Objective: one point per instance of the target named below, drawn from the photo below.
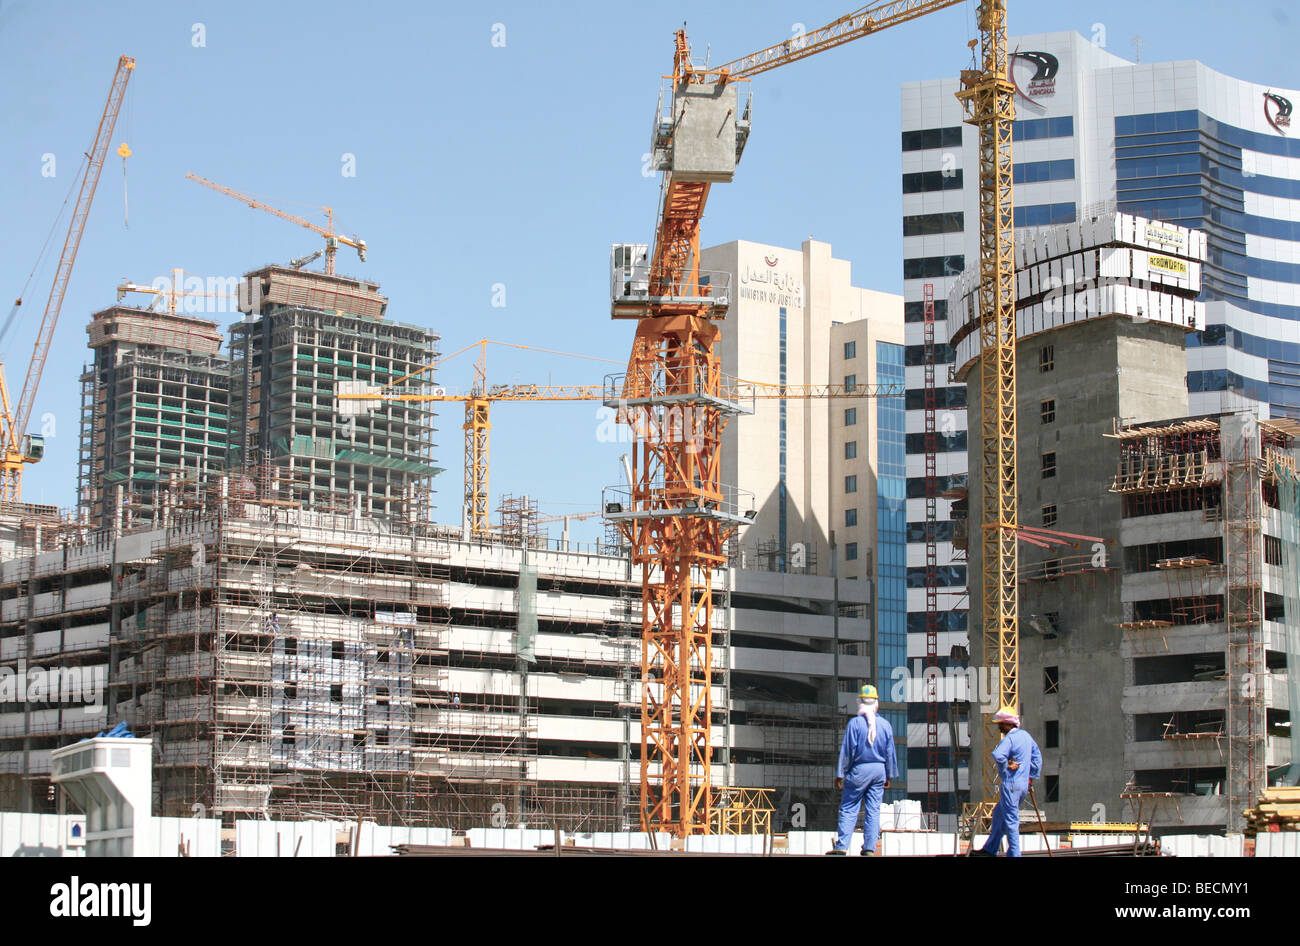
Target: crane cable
(125, 151)
(11, 318)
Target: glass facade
(1189, 169)
(891, 544)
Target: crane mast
(988, 95)
(673, 361)
(15, 455)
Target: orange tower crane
(332, 237)
(676, 518)
(18, 447)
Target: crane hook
(125, 151)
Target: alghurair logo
(77, 899)
(1033, 73)
(1277, 110)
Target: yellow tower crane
(357, 398)
(173, 293)
(332, 238)
(17, 447)
(675, 340)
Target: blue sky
(476, 165)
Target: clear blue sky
(475, 165)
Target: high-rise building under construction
(155, 406)
(304, 333)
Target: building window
(1053, 785)
(1052, 734)
(850, 416)
(920, 182)
(850, 484)
(1043, 215)
(930, 224)
(924, 139)
(933, 267)
(850, 382)
(336, 693)
(1032, 172)
(1047, 358)
(851, 450)
(1049, 515)
(850, 517)
(850, 551)
(1049, 464)
(1029, 129)
(850, 349)
(1047, 410)
(1272, 550)
(1051, 679)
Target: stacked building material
(1278, 809)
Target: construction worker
(1019, 763)
(867, 763)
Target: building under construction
(155, 403)
(298, 664)
(1153, 656)
(303, 334)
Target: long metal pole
(835, 626)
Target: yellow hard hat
(868, 692)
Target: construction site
(268, 585)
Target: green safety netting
(387, 463)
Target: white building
(820, 465)
(1175, 142)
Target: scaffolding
(931, 569)
(303, 665)
(1245, 719)
(313, 334)
(517, 519)
(1168, 459)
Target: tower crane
(20, 448)
(356, 398)
(332, 238)
(674, 527)
(173, 293)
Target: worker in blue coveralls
(1019, 763)
(867, 763)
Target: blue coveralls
(1016, 746)
(864, 767)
